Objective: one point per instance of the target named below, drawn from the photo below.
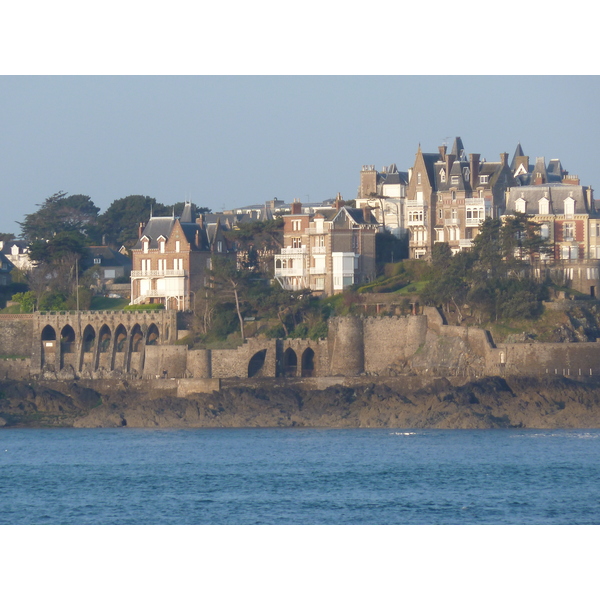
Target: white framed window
(569, 206)
(162, 246)
(545, 231)
(454, 179)
(484, 179)
(544, 206)
(569, 232)
(442, 175)
(520, 205)
(177, 246)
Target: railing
(289, 250)
(319, 250)
(470, 222)
(451, 221)
(414, 202)
(318, 270)
(164, 273)
(290, 272)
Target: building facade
(172, 258)
(327, 253)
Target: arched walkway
(67, 340)
(104, 336)
(89, 337)
(308, 363)
(256, 363)
(120, 338)
(152, 335)
(290, 363)
(136, 338)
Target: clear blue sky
(228, 141)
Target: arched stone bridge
(86, 342)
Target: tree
(60, 213)
(226, 278)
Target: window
(415, 216)
(219, 246)
(454, 180)
(520, 205)
(97, 261)
(296, 225)
(545, 231)
(177, 246)
(466, 173)
(544, 206)
(484, 178)
(418, 177)
(568, 232)
(569, 206)
(443, 176)
(296, 242)
(162, 246)
(145, 246)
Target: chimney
(200, 220)
(339, 202)
(442, 151)
(474, 166)
(504, 159)
(296, 207)
(140, 230)
(366, 214)
(539, 179)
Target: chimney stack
(296, 207)
(504, 158)
(474, 166)
(366, 214)
(140, 230)
(442, 151)
(339, 202)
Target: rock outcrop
(492, 402)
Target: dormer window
(484, 179)
(454, 180)
(466, 172)
(97, 260)
(145, 244)
(161, 243)
(520, 205)
(443, 176)
(544, 206)
(569, 206)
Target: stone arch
(67, 340)
(137, 337)
(120, 338)
(152, 336)
(256, 363)
(308, 363)
(290, 363)
(89, 337)
(104, 337)
(48, 333)
(48, 342)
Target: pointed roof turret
(518, 153)
(187, 215)
(458, 149)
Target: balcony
(319, 250)
(412, 203)
(293, 251)
(451, 221)
(164, 273)
(290, 271)
(474, 222)
(318, 270)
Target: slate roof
(556, 193)
(108, 257)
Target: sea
(299, 477)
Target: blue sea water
(299, 476)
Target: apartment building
(329, 251)
(450, 194)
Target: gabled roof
(518, 153)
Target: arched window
(104, 338)
(152, 336)
(136, 338)
(120, 338)
(67, 339)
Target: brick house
(329, 251)
(450, 194)
(172, 258)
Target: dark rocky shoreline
(487, 403)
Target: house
(6, 267)
(329, 251)
(107, 263)
(172, 258)
(384, 192)
(450, 194)
(17, 251)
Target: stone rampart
(139, 345)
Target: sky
(227, 141)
